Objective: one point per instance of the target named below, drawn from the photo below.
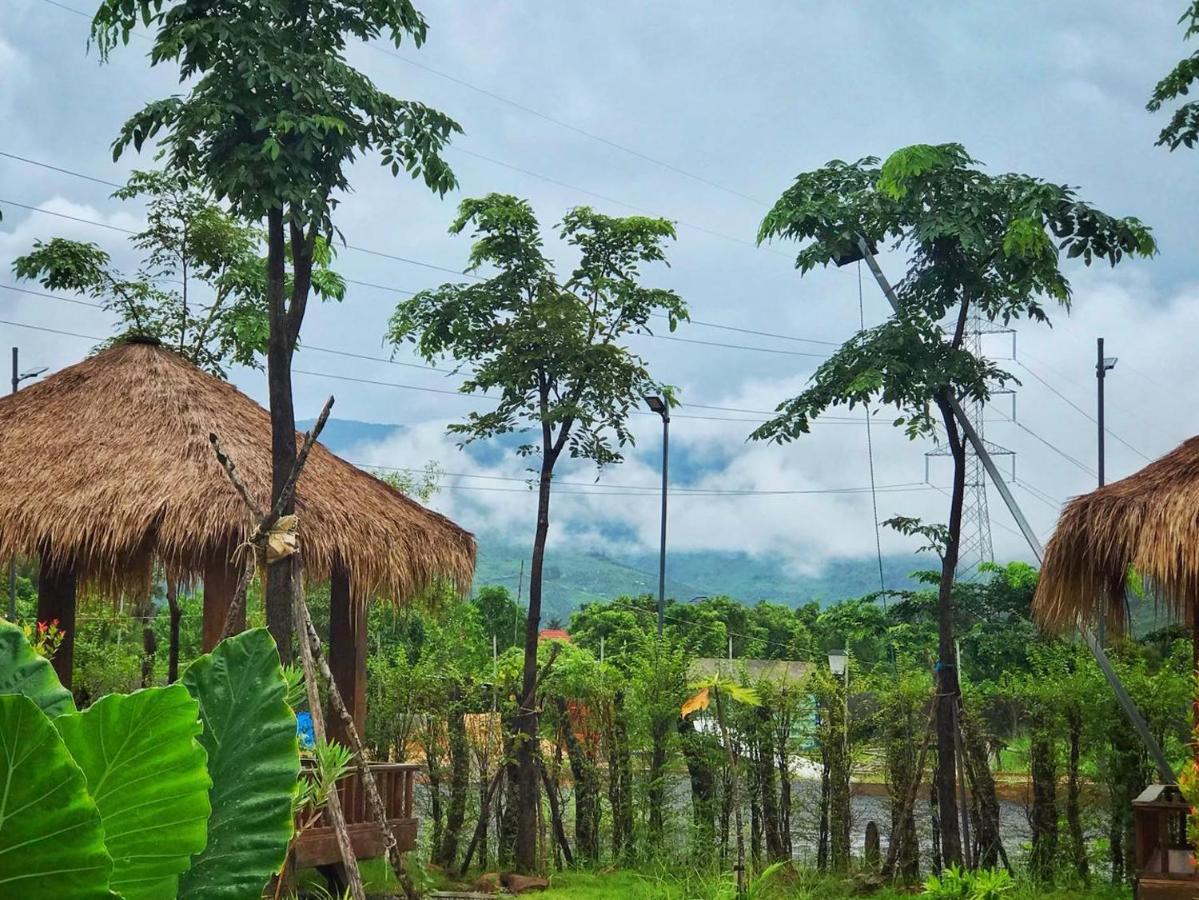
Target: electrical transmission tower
(975, 547)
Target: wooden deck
(318, 845)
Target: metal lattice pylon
(976, 547)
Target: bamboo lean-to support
(311, 656)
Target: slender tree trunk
(839, 773)
(947, 680)
(283, 426)
(551, 793)
(173, 642)
(934, 820)
(902, 763)
(982, 789)
(726, 811)
(656, 793)
(433, 769)
(621, 782)
(508, 823)
(826, 785)
(703, 789)
(771, 824)
(739, 868)
(1078, 843)
(528, 792)
(782, 735)
(755, 810)
(1044, 805)
(484, 814)
(586, 779)
(459, 780)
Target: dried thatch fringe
(1145, 526)
(106, 466)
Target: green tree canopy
(1183, 128)
(201, 286)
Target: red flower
(42, 626)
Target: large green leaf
(149, 778)
(22, 671)
(254, 761)
(51, 839)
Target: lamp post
(1103, 365)
(662, 408)
(17, 377)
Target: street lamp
(660, 406)
(838, 661)
(17, 377)
(1103, 365)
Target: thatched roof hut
(1144, 526)
(106, 468)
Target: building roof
(780, 671)
(106, 465)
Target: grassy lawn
(684, 884)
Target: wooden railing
(396, 781)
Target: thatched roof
(1147, 523)
(107, 465)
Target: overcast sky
(702, 113)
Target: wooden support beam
(347, 653)
(56, 600)
(220, 584)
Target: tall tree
(199, 288)
(271, 119)
(551, 353)
(977, 244)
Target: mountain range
(573, 576)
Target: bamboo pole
(257, 541)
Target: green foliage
(253, 760)
(956, 884)
(273, 113)
(936, 536)
(327, 763)
(976, 242)
(1183, 127)
(51, 837)
(22, 671)
(549, 352)
(189, 241)
(499, 615)
(149, 779)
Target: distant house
(555, 634)
(780, 671)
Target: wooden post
(56, 600)
(347, 654)
(220, 583)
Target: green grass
(680, 883)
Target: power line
(562, 124)
(398, 385)
(113, 184)
(1070, 379)
(1058, 450)
(1037, 495)
(416, 262)
(520, 106)
(1079, 409)
(753, 245)
(654, 490)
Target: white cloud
(744, 97)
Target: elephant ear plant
(183, 790)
